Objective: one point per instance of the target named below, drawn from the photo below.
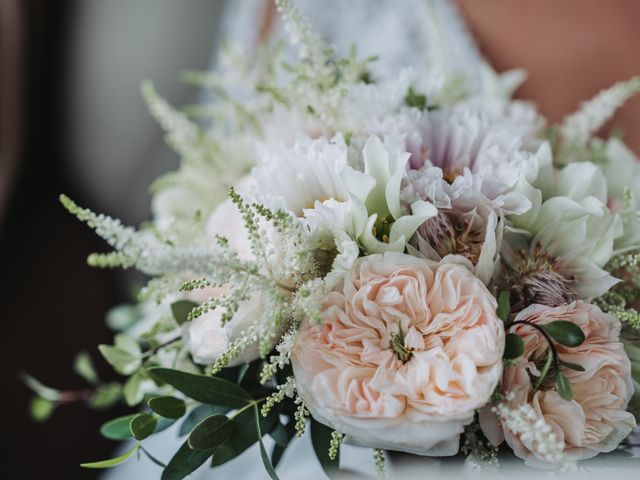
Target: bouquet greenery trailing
(409, 264)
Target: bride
(436, 32)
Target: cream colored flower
(596, 419)
(407, 350)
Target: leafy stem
(552, 348)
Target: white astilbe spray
(593, 114)
(288, 294)
(531, 428)
(319, 82)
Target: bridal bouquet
(411, 265)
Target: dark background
(52, 303)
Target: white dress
(401, 33)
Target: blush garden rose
(405, 352)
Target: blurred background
(72, 120)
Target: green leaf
(198, 414)
(321, 440)
(113, 462)
(39, 389)
(184, 462)
(211, 432)
(41, 408)
(118, 428)
(132, 391)
(181, 310)
(545, 370)
(143, 425)
(504, 306)
(168, 407)
(563, 387)
(106, 396)
(210, 390)
(244, 435)
(564, 332)
(122, 317)
(83, 366)
(513, 346)
(124, 362)
(263, 451)
(572, 366)
(127, 344)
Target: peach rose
(595, 420)
(406, 351)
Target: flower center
(448, 233)
(397, 343)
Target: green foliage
(211, 432)
(564, 332)
(122, 317)
(181, 310)
(125, 356)
(198, 414)
(184, 462)
(143, 425)
(83, 366)
(245, 434)
(513, 346)
(132, 390)
(105, 396)
(114, 461)
(168, 407)
(545, 370)
(563, 387)
(41, 408)
(504, 306)
(210, 390)
(321, 440)
(263, 451)
(118, 428)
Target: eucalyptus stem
(547, 337)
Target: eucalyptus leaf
(504, 306)
(39, 389)
(41, 408)
(572, 366)
(244, 435)
(128, 344)
(211, 432)
(181, 310)
(106, 396)
(513, 346)
(122, 317)
(563, 387)
(184, 462)
(83, 366)
(321, 440)
(210, 390)
(198, 414)
(168, 407)
(263, 451)
(545, 369)
(564, 332)
(124, 362)
(112, 462)
(132, 391)
(118, 428)
(143, 425)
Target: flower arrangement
(413, 266)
